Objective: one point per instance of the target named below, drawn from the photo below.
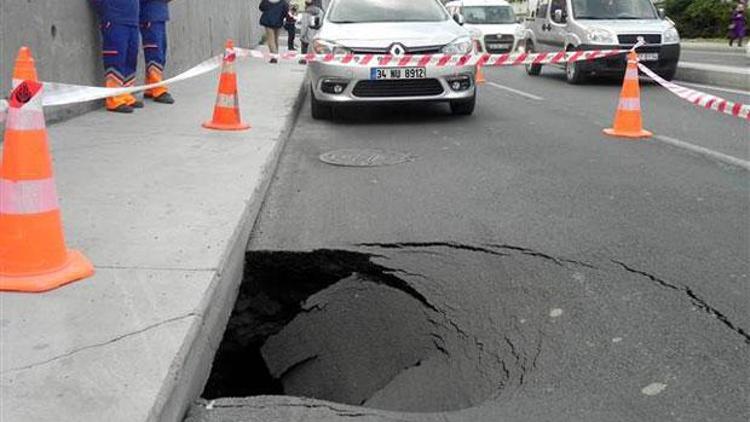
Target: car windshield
(489, 15)
(361, 11)
(613, 9)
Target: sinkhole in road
(333, 325)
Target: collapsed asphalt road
(420, 328)
(520, 266)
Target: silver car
(396, 27)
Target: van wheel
(532, 69)
(573, 73)
(668, 73)
(320, 110)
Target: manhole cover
(364, 157)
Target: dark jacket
(123, 12)
(273, 13)
(154, 10)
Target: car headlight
(459, 46)
(600, 36)
(671, 36)
(328, 47)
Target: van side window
(541, 10)
(558, 5)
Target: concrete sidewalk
(163, 208)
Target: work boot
(122, 108)
(137, 104)
(165, 98)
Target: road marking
(727, 159)
(515, 91)
(715, 88)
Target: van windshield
(488, 15)
(361, 11)
(613, 9)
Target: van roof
(457, 3)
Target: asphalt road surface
(520, 266)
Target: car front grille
(498, 39)
(430, 49)
(632, 39)
(398, 88)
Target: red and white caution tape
(57, 94)
(701, 99)
(438, 60)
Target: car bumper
(669, 55)
(359, 89)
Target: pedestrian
(118, 22)
(737, 25)
(307, 32)
(290, 24)
(154, 18)
(272, 18)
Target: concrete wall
(64, 38)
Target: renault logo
(397, 50)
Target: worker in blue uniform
(118, 21)
(153, 20)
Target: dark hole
(333, 325)
(53, 31)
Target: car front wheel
(464, 107)
(320, 110)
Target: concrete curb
(724, 76)
(709, 46)
(192, 365)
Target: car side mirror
(459, 18)
(558, 16)
(662, 13)
(315, 22)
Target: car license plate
(388, 73)
(648, 57)
(494, 46)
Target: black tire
(668, 73)
(532, 69)
(464, 107)
(320, 110)
(573, 73)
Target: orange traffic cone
(227, 109)
(480, 79)
(33, 257)
(24, 70)
(628, 121)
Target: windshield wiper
(346, 22)
(592, 17)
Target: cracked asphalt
(560, 275)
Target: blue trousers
(120, 56)
(154, 35)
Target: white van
(492, 23)
(574, 25)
